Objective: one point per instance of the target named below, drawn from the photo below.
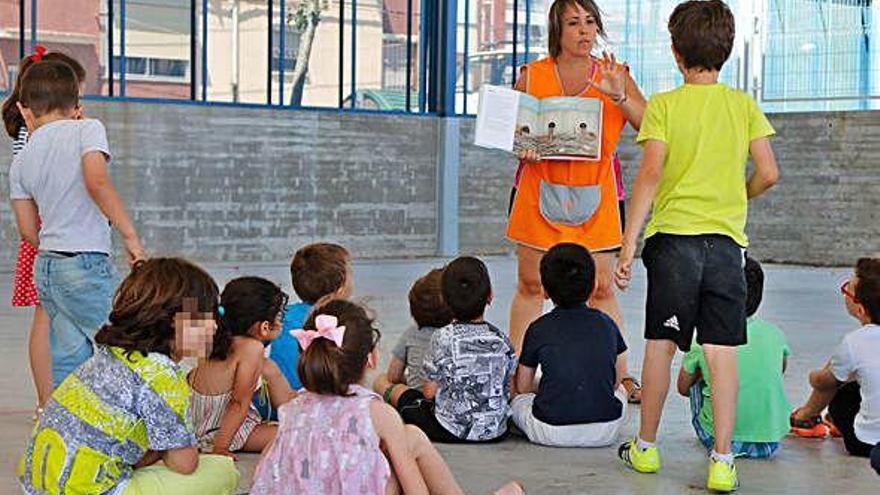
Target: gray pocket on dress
(568, 205)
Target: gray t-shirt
(472, 364)
(49, 171)
(411, 349)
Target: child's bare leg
(40, 355)
(721, 360)
(528, 299)
(381, 384)
(655, 386)
(434, 470)
(261, 436)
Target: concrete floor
(803, 301)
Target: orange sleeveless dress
(569, 200)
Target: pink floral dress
(326, 445)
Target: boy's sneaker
(722, 476)
(643, 461)
(809, 428)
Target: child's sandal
(633, 391)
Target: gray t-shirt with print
(472, 364)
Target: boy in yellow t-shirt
(696, 141)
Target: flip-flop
(632, 396)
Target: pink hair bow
(326, 328)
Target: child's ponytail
(337, 338)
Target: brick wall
(237, 184)
(221, 183)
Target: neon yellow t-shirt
(707, 130)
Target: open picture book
(557, 128)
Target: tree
(305, 20)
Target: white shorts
(578, 435)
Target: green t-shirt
(762, 408)
(707, 130)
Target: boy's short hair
(702, 33)
(48, 86)
(466, 287)
(867, 291)
(319, 269)
(568, 274)
(754, 285)
(426, 301)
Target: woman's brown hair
(148, 300)
(555, 20)
(327, 369)
(12, 119)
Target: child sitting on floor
(408, 357)
(109, 423)
(251, 309)
(762, 408)
(849, 384)
(469, 365)
(339, 438)
(317, 271)
(579, 400)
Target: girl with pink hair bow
(329, 437)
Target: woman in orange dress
(572, 201)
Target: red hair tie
(39, 51)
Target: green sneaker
(722, 477)
(643, 461)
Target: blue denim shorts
(751, 450)
(76, 290)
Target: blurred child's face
(193, 334)
(579, 31)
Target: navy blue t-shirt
(577, 349)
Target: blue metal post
(33, 26)
(204, 50)
(353, 53)
(448, 138)
(122, 47)
(424, 39)
(464, 63)
(21, 21)
(528, 27)
(282, 21)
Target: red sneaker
(809, 428)
(832, 428)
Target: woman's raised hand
(613, 81)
